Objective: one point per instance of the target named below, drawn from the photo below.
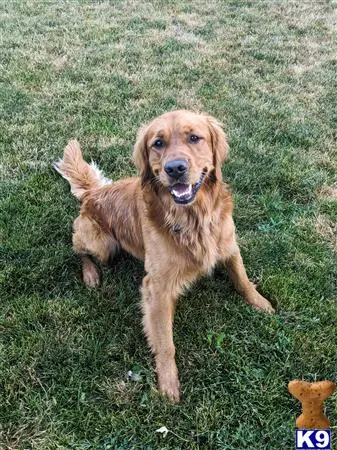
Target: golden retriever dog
(176, 216)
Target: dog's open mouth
(185, 193)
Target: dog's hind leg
(92, 243)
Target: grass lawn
(95, 71)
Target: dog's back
(118, 210)
(109, 211)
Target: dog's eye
(158, 143)
(194, 138)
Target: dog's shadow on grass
(207, 312)
(113, 309)
(209, 306)
(98, 333)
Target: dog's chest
(197, 239)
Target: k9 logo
(313, 439)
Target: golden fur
(178, 242)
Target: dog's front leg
(158, 304)
(237, 272)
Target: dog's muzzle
(184, 193)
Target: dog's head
(181, 150)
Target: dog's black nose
(176, 168)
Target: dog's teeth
(187, 191)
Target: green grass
(95, 71)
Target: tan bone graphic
(312, 396)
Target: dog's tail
(82, 176)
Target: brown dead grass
(329, 192)
(327, 228)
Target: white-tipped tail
(82, 176)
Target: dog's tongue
(181, 190)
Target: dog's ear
(141, 154)
(219, 143)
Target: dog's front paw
(170, 389)
(91, 277)
(168, 382)
(260, 303)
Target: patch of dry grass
(327, 228)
